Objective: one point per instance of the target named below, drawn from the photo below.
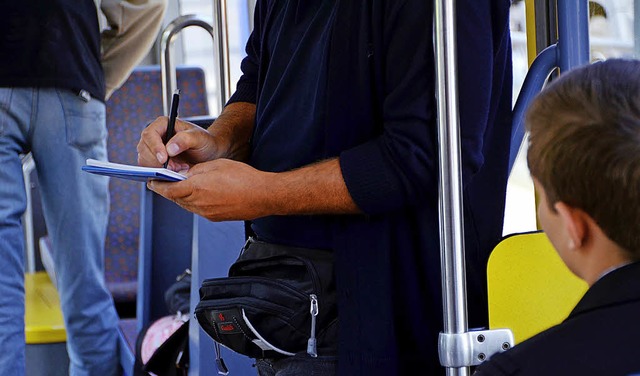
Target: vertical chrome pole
(636, 28)
(28, 166)
(451, 210)
(222, 46)
(251, 5)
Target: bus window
(520, 213)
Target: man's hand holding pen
(191, 144)
(216, 187)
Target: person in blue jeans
(52, 92)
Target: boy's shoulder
(583, 344)
(541, 354)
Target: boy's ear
(574, 222)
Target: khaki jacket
(128, 30)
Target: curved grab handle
(169, 82)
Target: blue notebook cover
(123, 171)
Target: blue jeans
(62, 131)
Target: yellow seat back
(529, 287)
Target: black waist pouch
(276, 302)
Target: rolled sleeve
(398, 168)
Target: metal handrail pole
(636, 28)
(169, 82)
(450, 179)
(251, 4)
(222, 46)
(571, 50)
(543, 65)
(28, 166)
(573, 33)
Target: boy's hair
(584, 145)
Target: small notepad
(124, 171)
